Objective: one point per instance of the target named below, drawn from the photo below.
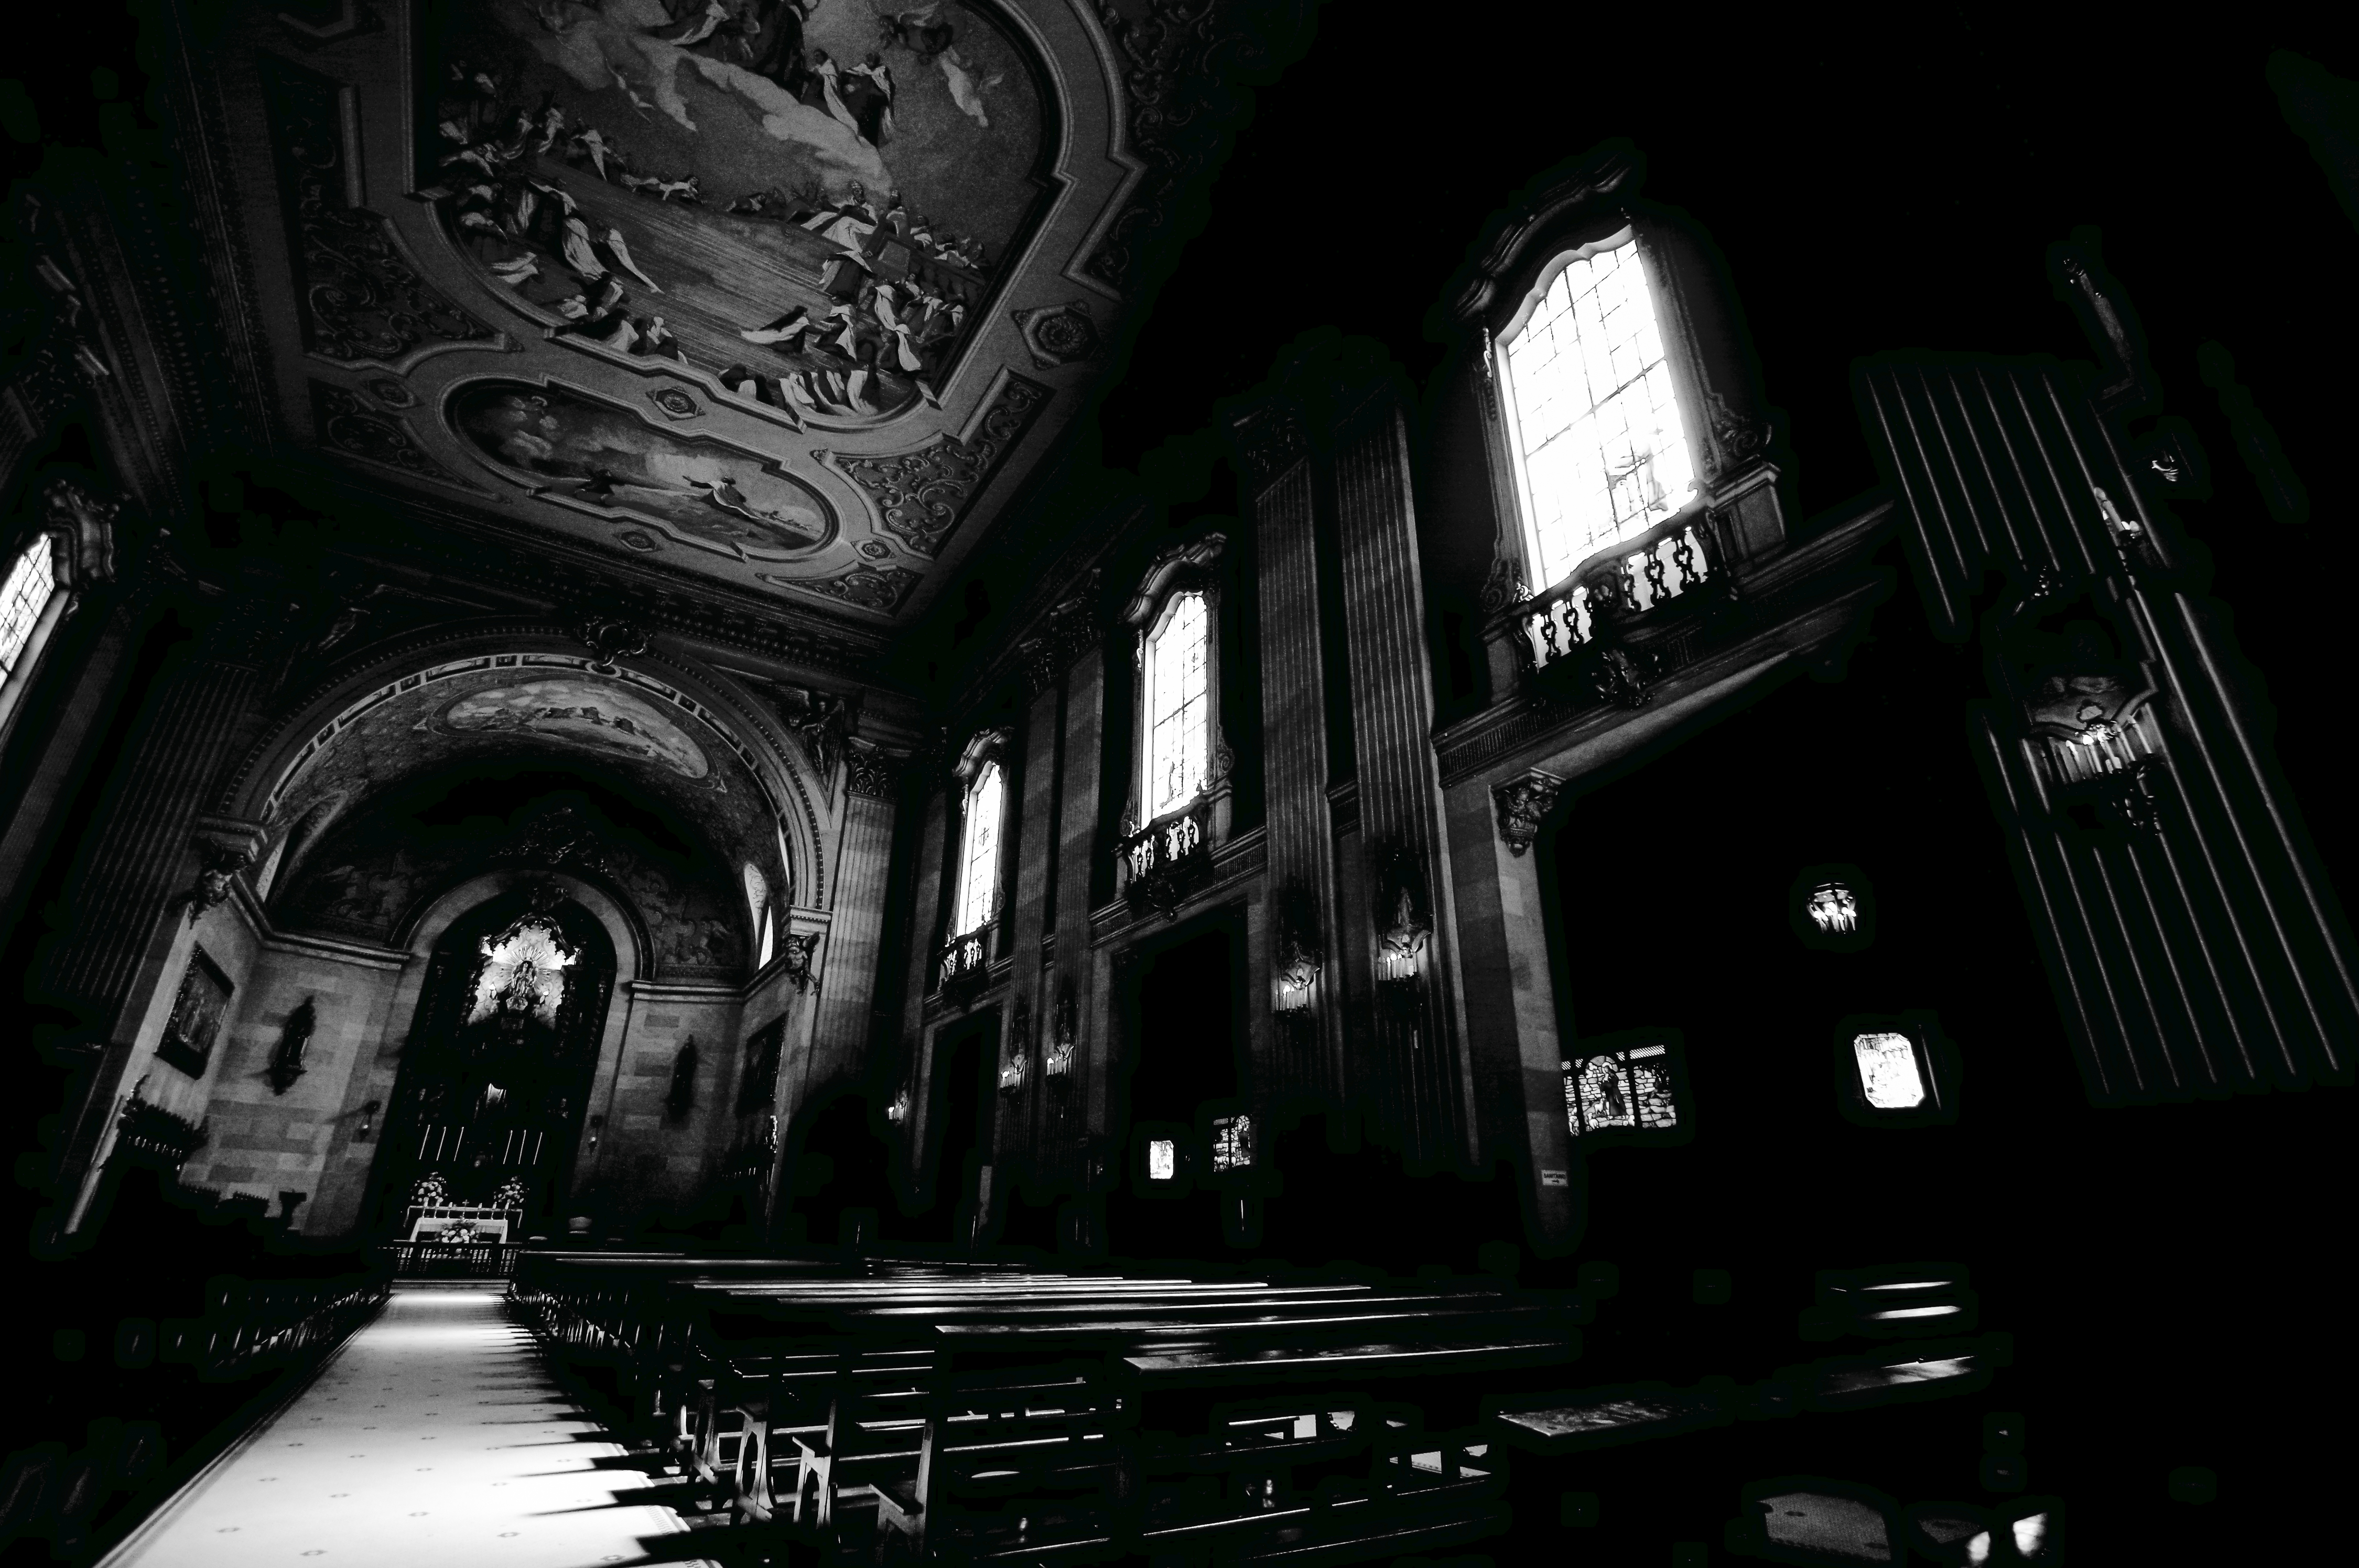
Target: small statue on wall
(802, 956)
(287, 1061)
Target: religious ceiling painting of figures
(808, 198)
(585, 715)
(587, 454)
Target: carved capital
(1523, 804)
(1272, 440)
(874, 774)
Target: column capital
(873, 773)
(1523, 803)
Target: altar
(456, 1226)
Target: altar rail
(448, 1260)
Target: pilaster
(1418, 1076)
(1300, 1051)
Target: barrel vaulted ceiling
(782, 298)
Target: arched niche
(612, 941)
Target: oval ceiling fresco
(814, 195)
(596, 458)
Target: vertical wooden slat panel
(2210, 955)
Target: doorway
(1182, 1014)
(966, 1055)
(496, 1073)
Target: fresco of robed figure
(808, 198)
(699, 490)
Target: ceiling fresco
(513, 709)
(370, 876)
(789, 295)
(812, 194)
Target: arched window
(978, 864)
(1175, 672)
(1599, 443)
(41, 579)
(32, 580)
(758, 905)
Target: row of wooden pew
(937, 1411)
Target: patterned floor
(433, 1439)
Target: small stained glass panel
(1888, 1074)
(1605, 1094)
(1232, 1142)
(1162, 1159)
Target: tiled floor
(433, 1439)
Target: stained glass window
(1162, 1159)
(1177, 706)
(979, 864)
(525, 971)
(1232, 1142)
(26, 594)
(757, 902)
(1888, 1072)
(1601, 445)
(1628, 1090)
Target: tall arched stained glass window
(1599, 440)
(978, 885)
(1177, 706)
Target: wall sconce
(1057, 1061)
(597, 1126)
(1011, 1076)
(1833, 909)
(367, 1128)
(899, 1112)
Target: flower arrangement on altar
(508, 1193)
(432, 1189)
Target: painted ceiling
(787, 296)
(512, 709)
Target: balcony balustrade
(1670, 562)
(1163, 864)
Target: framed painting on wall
(189, 1034)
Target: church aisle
(434, 1436)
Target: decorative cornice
(1185, 63)
(1071, 629)
(87, 523)
(1614, 170)
(922, 495)
(1167, 571)
(360, 300)
(869, 587)
(346, 424)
